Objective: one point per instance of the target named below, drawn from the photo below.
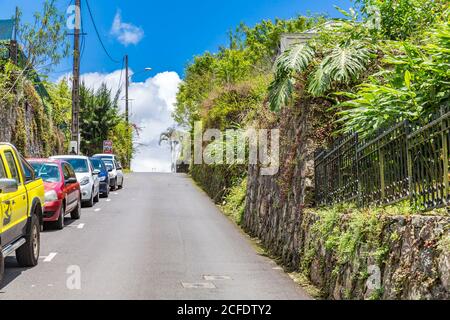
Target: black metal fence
(407, 161)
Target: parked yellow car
(22, 196)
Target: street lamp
(140, 72)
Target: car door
(119, 172)
(68, 188)
(76, 186)
(14, 206)
(95, 178)
(4, 197)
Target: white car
(114, 167)
(86, 176)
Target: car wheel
(115, 184)
(90, 202)
(97, 197)
(28, 254)
(76, 213)
(60, 221)
(121, 185)
(106, 194)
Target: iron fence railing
(406, 161)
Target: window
(66, 172)
(2, 170)
(49, 172)
(28, 170)
(79, 165)
(71, 172)
(12, 166)
(98, 164)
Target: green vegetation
(362, 226)
(234, 203)
(44, 42)
(101, 120)
(392, 65)
(43, 111)
(249, 57)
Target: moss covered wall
(25, 123)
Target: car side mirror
(71, 181)
(8, 185)
(110, 169)
(96, 172)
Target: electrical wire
(98, 34)
(120, 79)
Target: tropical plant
(99, 114)
(60, 106)
(414, 83)
(326, 62)
(171, 137)
(403, 19)
(44, 41)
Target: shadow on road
(12, 271)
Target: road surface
(158, 238)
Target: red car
(62, 190)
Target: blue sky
(174, 30)
(163, 35)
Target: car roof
(104, 155)
(70, 157)
(46, 160)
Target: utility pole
(127, 83)
(76, 78)
(127, 115)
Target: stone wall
(408, 257)
(25, 124)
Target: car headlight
(102, 178)
(111, 175)
(84, 181)
(51, 196)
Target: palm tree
(170, 136)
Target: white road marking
(116, 193)
(108, 200)
(78, 226)
(97, 210)
(216, 277)
(204, 285)
(50, 257)
(277, 268)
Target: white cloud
(126, 33)
(151, 106)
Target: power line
(121, 73)
(98, 34)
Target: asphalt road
(158, 238)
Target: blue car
(103, 176)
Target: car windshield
(97, 164)
(109, 164)
(79, 165)
(49, 172)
